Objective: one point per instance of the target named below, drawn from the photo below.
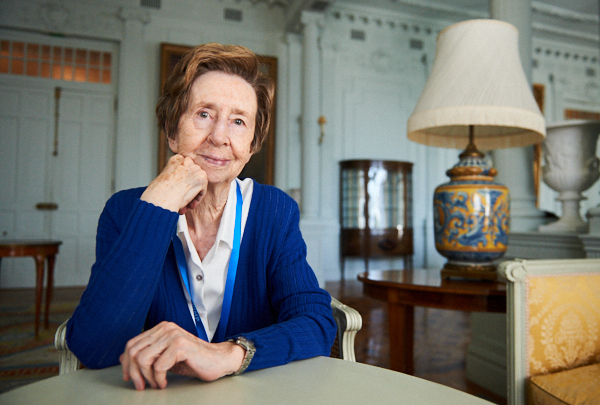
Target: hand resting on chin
(179, 187)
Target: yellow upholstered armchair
(553, 315)
(347, 319)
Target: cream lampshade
(476, 93)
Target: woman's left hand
(168, 347)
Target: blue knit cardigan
(135, 284)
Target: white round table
(320, 380)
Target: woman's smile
(217, 161)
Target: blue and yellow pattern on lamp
(471, 215)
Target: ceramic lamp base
(471, 215)
(469, 272)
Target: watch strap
(247, 345)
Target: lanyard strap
(231, 272)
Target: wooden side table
(40, 250)
(405, 289)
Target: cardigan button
(199, 277)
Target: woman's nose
(218, 134)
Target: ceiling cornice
(577, 37)
(563, 14)
(438, 7)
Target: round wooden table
(320, 380)
(40, 250)
(405, 289)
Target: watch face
(246, 344)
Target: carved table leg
(39, 285)
(401, 332)
(49, 287)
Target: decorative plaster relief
(381, 61)
(563, 14)
(136, 14)
(380, 22)
(584, 93)
(56, 16)
(578, 37)
(573, 68)
(463, 13)
(574, 55)
(284, 4)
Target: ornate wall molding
(563, 14)
(284, 4)
(439, 8)
(580, 37)
(379, 19)
(571, 54)
(537, 245)
(55, 15)
(60, 17)
(429, 18)
(381, 61)
(136, 14)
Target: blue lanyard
(231, 271)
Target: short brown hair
(232, 59)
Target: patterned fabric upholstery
(580, 385)
(563, 322)
(563, 334)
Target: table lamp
(476, 94)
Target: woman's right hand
(179, 187)
(168, 347)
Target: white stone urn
(570, 167)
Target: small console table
(40, 250)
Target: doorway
(57, 141)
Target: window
(55, 62)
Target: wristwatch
(250, 350)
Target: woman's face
(217, 129)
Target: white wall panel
(32, 154)
(66, 266)
(31, 224)
(65, 224)
(8, 158)
(7, 223)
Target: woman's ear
(173, 143)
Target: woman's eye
(203, 114)
(238, 121)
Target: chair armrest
(348, 322)
(67, 362)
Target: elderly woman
(201, 273)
